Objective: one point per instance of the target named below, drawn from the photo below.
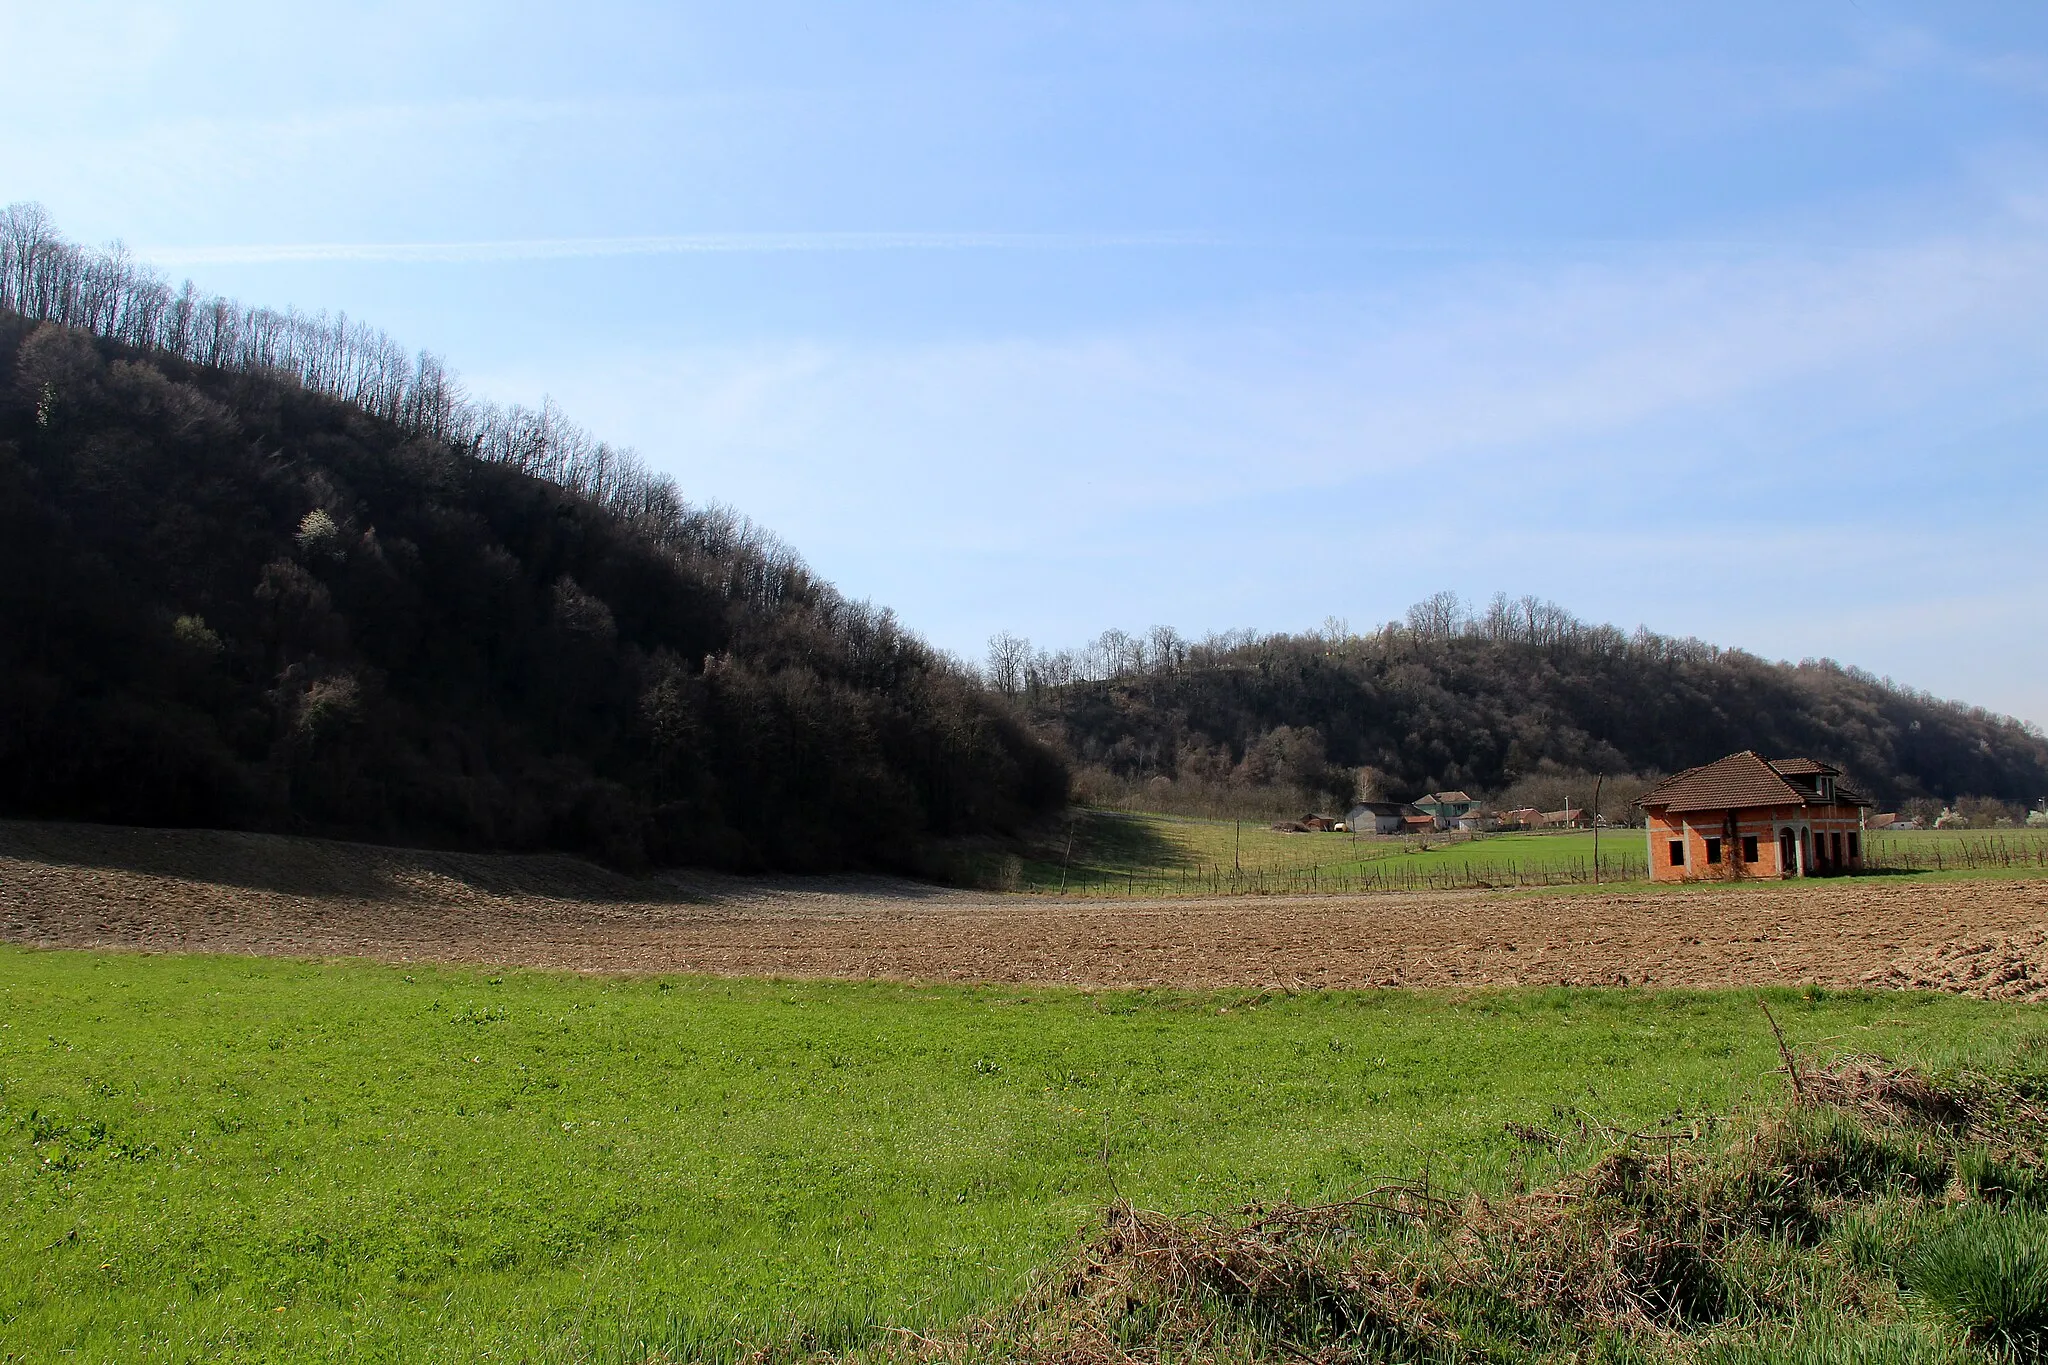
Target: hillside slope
(1446, 701)
(229, 599)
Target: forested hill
(1453, 700)
(262, 571)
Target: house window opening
(1855, 846)
(1713, 852)
(1749, 848)
(1835, 857)
(1678, 853)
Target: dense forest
(1510, 700)
(259, 570)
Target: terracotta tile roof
(1729, 783)
(1845, 795)
(1802, 767)
(1745, 780)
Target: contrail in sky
(573, 248)
(715, 243)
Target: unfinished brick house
(1746, 816)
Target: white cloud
(1521, 428)
(1511, 365)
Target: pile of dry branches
(1636, 1244)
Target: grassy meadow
(237, 1159)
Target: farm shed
(1747, 816)
(1380, 817)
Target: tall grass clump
(1889, 1345)
(1987, 1272)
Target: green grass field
(1128, 853)
(1123, 853)
(1971, 848)
(226, 1159)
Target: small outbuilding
(1568, 818)
(1380, 817)
(1748, 816)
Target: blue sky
(1728, 320)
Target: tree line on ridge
(1520, 701)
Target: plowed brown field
(196, 891)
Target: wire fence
(1393, 872)
(1384, 874)
(1949, 853)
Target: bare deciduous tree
(1166, 651)
(1438, 616)
(1009, 661)
(46, 278)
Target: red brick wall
(1692, 829)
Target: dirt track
(192, 891)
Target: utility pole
(1237, 848)
(1596, 825)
